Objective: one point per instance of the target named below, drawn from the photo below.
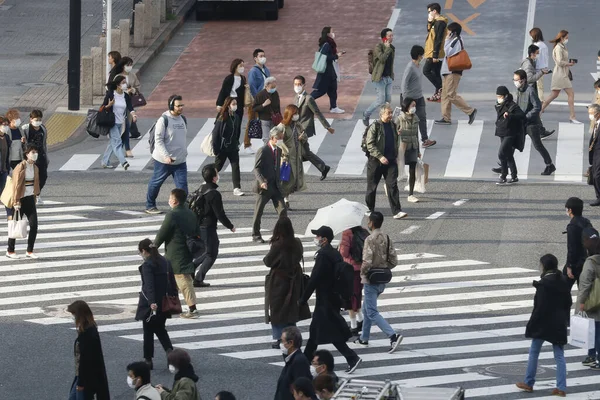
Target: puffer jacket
(436, 34)
(408, 124)
(513, 124)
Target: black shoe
(442, 122)
(325, 172)
(359, 326)
(395, 341)
(287, 206)
(472, 116)
(201, 284)
(547, 134)
(351, 368)
(497, 170)
(595, 203)
(502, 181)
(549, 170)
(589, 361)
(257, 239)
(513, 180)
(275, 344)
(355, 332)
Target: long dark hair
(283, 232)
(224, 113)
(324, 36)
(150, 248)
(83, 315)
(406, 102)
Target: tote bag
(285, 171)
(105, 117)
(207, 145)
(320, 62)
(255, 129)
(7, 194)
(93, 129)
(583, 330)
(17, 227)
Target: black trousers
(596, 171)
(234, 158)
(311, 157)
(376, 170)
(155, 326)
(262, 199)
(506, 154)
(27, 208)
(13, 164)
(341, 346)
(432, 71)
(534, 132)
(330, 90)
(211, 251)
(42, 165)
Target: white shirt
(237, 82)
(29, 177)
(300, 97)
(542, 61)
(119, 108)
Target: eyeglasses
(179, 105)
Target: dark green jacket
(376, 139)
(381, 53)
(184, 389)
(179, 223)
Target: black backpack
(363, 143)
(359, 235)
(370, 61)
(197, 203)
(153, 128)
(344, 282)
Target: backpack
(152, 129)
(344, 281)
(358, 243)
(363, 143)
(197, 203)
(370, 61)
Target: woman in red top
(356, 316)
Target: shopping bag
(255, 129)
(583, 331)
(276, 118)
(593, 301)
(93, 129)
(426, 172)
(419, 178)
(7, 194)
(207, 145)
(320, 62)
(338, 72)
(285, 171)
(17, 227)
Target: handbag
(170, 303)
(582, 332)
(93, 129)
(460, 61)
(590, 176)
(17, 227)
(285, 171)
(207, 145)
(255, 129)
(134, 132)
(7, 194)
(105, 117)
(570, 75)
(320, 62)
(248, 99)
(138, 100)
(276, 118)
(593, 301)
(378, 276)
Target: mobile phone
(549, 71)
(573, 60)
(385, 40)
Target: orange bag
(460, 61)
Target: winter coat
(284, 284)
(226, 134)
(308, 110)
(529, 102)
(293, 137)
(576, 253)
(157, 280)
(551, 305)
(226, 87)
(381, 53)
(513, 124)
(533, 75)
(265, 113)
(591, 271)
(327, 325)
(184, 386)
(436, 34)
(560, 74)
(593, 143)
(92, 372)
(325, 78)
(376, 139)
(179, 223)
(30, 134)
(345, 245)
(296, 367)
(409, 130)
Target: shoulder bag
(459, 61)
(17, 227)
(105, 117)
(7, 194)
(320, 62)
(171, 303)
(138, 100)
(378, 276)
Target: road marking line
(569, 152)
(564, 103)
(464, 22)
(349, 163)
(394, 18)
(196, 157)
(529, 26)
(80, 162)
(436, 215)
(410, 230)
(522, 158)
(465, 148)
(127, 212)
(460, 202)
(315, 143)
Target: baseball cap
(324, 231)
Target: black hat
(325, 232)
(502, 91)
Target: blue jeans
(115, 145)
(160, 175)
(559, 358)
(384, 95)
(74, 394)
(278, 330)
(596, 351)
(370, 313)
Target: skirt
(411, 156)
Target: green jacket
(179, 223)
(184, 389)
(376, 139)
(380, 55)
(409, 130)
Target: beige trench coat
(560, 74)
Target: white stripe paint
(353, 158)
(522, 159)
(460, 202)
(541, 386)
(569, 152)
(410, 230)
(394, 18)
(465, 147)
(247, 161)
(128, 212)
(430, 123)
(445, 379)
(67, 209)
(529, 26)
(436, 215)
(315, 143)
(564, 103)
(437, 264)
(52, 202)
(141, 155)
(80, 162)
(91, 224)
(196, 157)
(50, 217)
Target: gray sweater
(411, 82)
(173, 142)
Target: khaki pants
(540, 88)
(251, 116)
(449, 97)
(185, 284)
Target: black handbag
(590, 176)
(134, 132)
(92, 128)
(378, 276)
(138, 100)
(105, 117)
(170, 302)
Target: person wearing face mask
(327, 325)
(138, 378)
(308, 110)
(5, 143)
(296, 364)
(323, 364)
(226, 140)
(267, 107)
(412, 88)
(293, 139)
(509, 128)
(157, 281)
(383, 72)
(267, 167)
(119, 100)
(213, 211)
(303, 389)
(327, 81)
(234, 86)
(541, 59)
(37, 135)
(589, 274)
(133, 88)
(408, 152)
(597, 92)
(256, 79)
(184, 383)
(179, 224)
(561, 75)
(434, 48)
(594, 149)
(17, 137)
(576, 253)
(26, 187)
(324, 386)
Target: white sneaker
(14, 256)
(40, 202)
(107, 166)
(574, 121)
(31, 255)
(412, 199)
(249, 150)
(400, 215)
(337, 110)
(238, 192)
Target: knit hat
(502, 91)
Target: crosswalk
(463, 319)
(462, 152)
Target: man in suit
(268, 185)
(296, 364)
(308, 109)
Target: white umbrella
(339, 216)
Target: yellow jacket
(436, 34)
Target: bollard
(125, 37)
(86, 89)
(155, 14)
(98, 72)
(163, 10)
(138, 30)
(116, 40)
(104, 61)
(147, 19)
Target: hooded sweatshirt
(172, 141)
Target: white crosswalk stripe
(458, 317)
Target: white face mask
(598, 91)
(241, 70)
(430, 16)
(332, 35)
(233, 108)
(37, 124)
(17, 121)
(317, 242)
(262, 60)
(592, 117)
(313, 371)
(566, 41)
(517, 84)
(33, 156)
(296, 117)
(4, 129)
(412, 110)
(128, 68)
(279, 142)
(298, 89)
(218, 178)
(130, 382)
(284, 351)
(500, 101)
(123, 86)
(172, 369)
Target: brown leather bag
(170, 303)
(459, 61)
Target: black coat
(327, 325)
(576, 253)
(213, 207)
(157, 281)
(225, 92)
(297, 367)
(551, 306)
(512, 125)
(328, 77)
(92, 372)
(226, 134)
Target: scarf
(187, 372)
(332, 44)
